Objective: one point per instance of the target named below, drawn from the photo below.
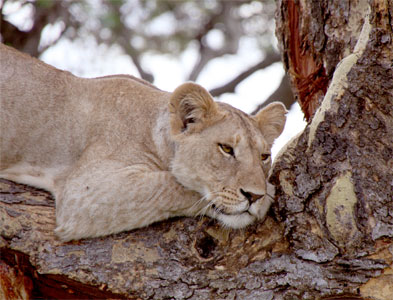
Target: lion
(118, 153)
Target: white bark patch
(121, 254)
(339, 82)
(340, 206)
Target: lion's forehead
(243, 130)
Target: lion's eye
(265, 157)
(227, 149)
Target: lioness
(118, 153)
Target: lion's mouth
(221, 211)
(235, 220)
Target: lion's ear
(190, 105)
(271, 121)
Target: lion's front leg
(107, 197)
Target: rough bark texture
(335, 180)
(177, 259)
(330, 232)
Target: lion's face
(223, 154)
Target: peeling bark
(315, 36)
(330, 232)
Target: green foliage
(111, 21)
(45, 3)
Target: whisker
(202, 212)
(204, 209)
(269, 196)
(201, 200)
(197, 203)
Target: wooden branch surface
(183, 258)
(177, 258)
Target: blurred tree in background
(215, 28)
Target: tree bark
(335, 181)
(330, 232)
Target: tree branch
(205, 55)
(283, 94)
(28, 41)
(231, 85)
(122, 37)
(12, 35)
(135, 59)
(232, 34)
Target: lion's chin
(235, 221)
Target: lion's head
(223, 153)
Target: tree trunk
(330, 232)
(335, 180)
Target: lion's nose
(250, 196)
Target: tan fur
(118, 154)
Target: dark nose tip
(250, 196)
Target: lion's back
(35, 107)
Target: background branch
(232, 34)
(283, 93)
(231, 85)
